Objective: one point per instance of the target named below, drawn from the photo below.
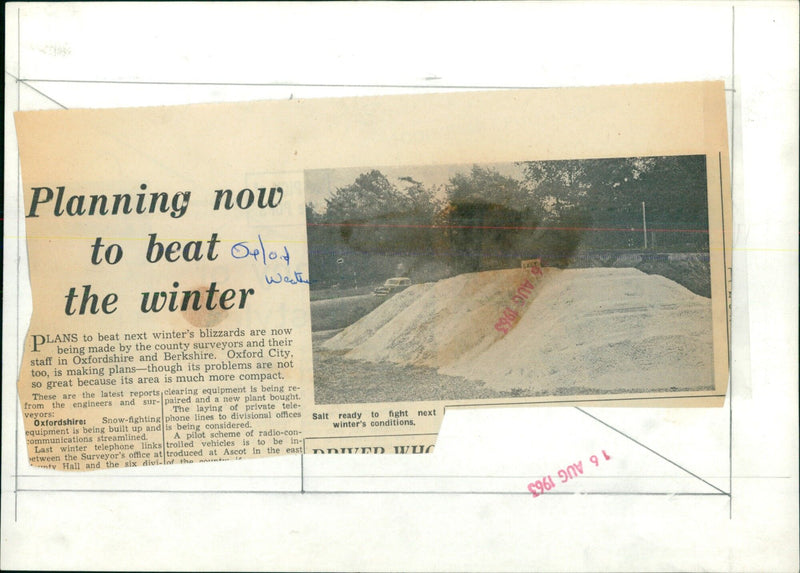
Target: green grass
(333, 313)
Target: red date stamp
(510, 316)
(571, 472)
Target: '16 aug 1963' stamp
(572, 471)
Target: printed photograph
(526, 279)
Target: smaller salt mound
(437, 325)
(367, 325)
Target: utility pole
(644, 225)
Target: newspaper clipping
(228, 281)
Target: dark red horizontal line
(504, 228)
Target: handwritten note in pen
(276, 262)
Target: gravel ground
(338, 380)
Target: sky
(320, 183)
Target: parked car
(392, 286)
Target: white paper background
(227, 516)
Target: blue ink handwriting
(242, 250)
(278, 278)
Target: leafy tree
(609, 193)
(487, 218)
(312, 216)
(486, 186)
(370, 195)
(375, 225)
(419, 200)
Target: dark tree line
(482, 219)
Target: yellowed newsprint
(228, 281)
